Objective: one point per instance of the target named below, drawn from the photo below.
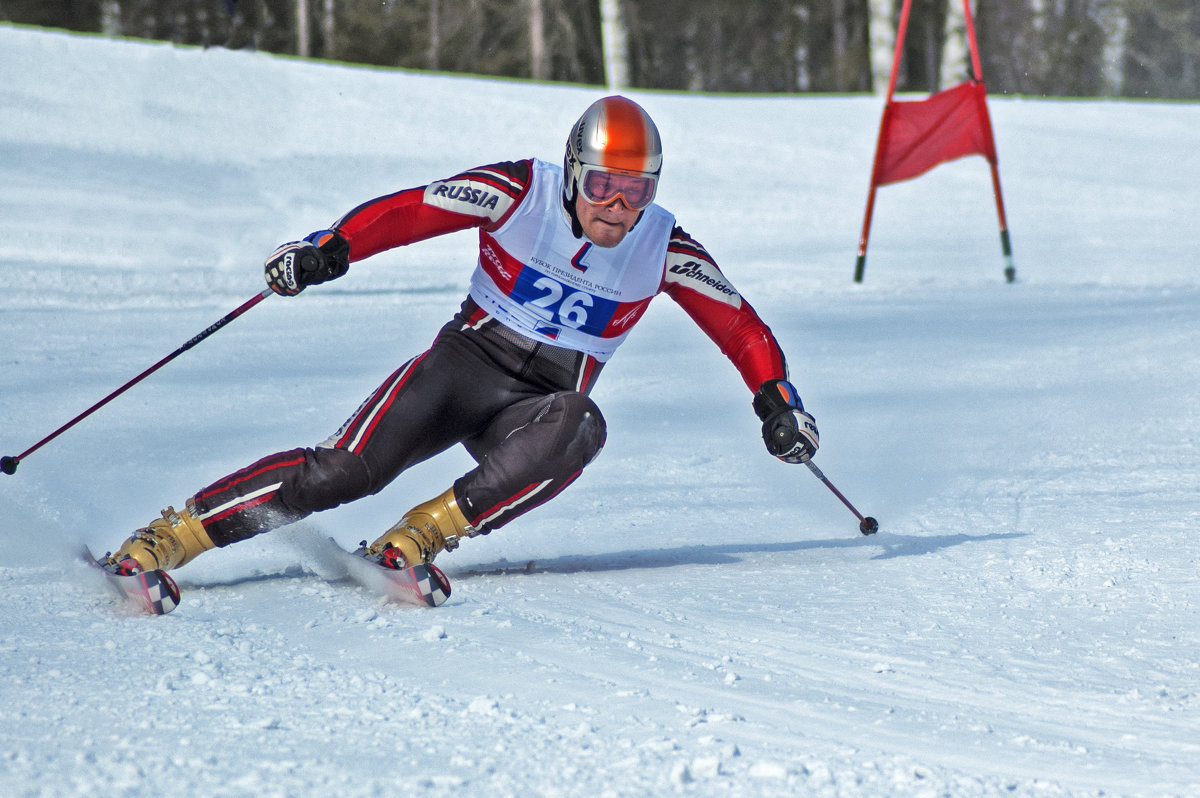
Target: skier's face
(605, 225)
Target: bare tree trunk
(302, 48)
(537, 39)
(110, 18)
(616, 46)
(435, 35)
(1116, 28)
(695, 75)
(838, 9)
(1037, 59)
(328, 29)
(956, 50)
(882, 33)
(932, 78)
(202, 23)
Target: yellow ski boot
(423, 532)
(168, 542)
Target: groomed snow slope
(691, 616)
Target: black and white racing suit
(508, 377)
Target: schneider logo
(693, 271)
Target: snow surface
(692, 616)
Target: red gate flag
(915, 136)
(919, 135)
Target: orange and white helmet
(613, 151)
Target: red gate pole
(1010, 270)
(901, 32)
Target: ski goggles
(600, 186)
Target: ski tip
(435, 586)
(421, 585)
(150, 592)
(161, 593)
(147, 592)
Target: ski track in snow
(691, 617)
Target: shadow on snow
(892, 546)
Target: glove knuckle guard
(789, 433)
(322, 256)
(331, 253)
(310, 262)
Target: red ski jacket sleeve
(693, 279)
(481, 197)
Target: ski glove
(320, 257)
(789, 432)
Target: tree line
(1113, 48)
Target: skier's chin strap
(569, 207)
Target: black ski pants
(519, 407)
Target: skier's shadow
(290, 573)
(892, 546)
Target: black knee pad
(584, 425)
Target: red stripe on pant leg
(557, 490)
(515, 500)
(352, 425)
(589, 374)
(242, 507)
(239, 477)
(383, 406)
(375, 406)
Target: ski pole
(8, 464)
(867, 525)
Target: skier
(569, 259)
